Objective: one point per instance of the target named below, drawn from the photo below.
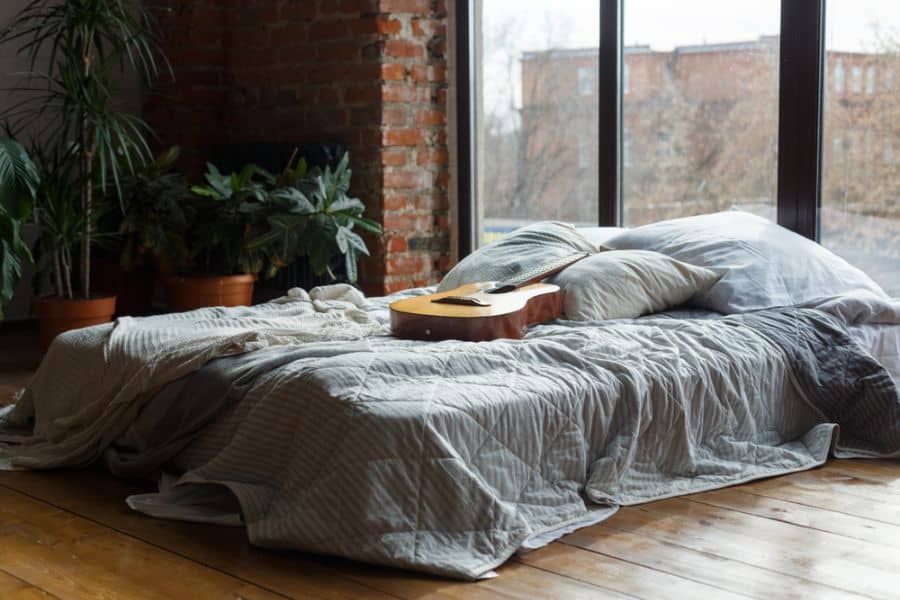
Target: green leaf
(350, 266)
(346, 203)
(367, 224)
(205, 191)
(342, 239)
(356, 242)
(294, 201)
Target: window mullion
(609, 92)
(800, 115)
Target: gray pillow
(524, 249)
(762, 264)
(627, 284)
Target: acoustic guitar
(480, 312)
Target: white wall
(12, 66)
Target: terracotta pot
(188, 293)
(58, 315)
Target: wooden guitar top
(471, 313)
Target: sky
(513, 26)
(667, 23)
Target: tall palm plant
(18, 184)
(83, 43)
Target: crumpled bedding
(93, 382)
(448, 457)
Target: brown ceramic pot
(189, 293)
(58, 315)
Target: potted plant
(314, 219)
(74, 50)
(150, 233)
(18, 185)
(253, 223)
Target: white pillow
(762, 264)
(627, 284)
(600, 235)
(522, 250)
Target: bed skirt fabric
(449, 457)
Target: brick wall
(371, 74)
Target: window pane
(700, 107)
(860, 216)
(536, 134)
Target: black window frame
(800, 117)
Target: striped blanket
(449, 457)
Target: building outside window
(856, 79)
(585, 150)
(585, 81)
(699, 124)
(860, 212)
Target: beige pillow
(625, 284)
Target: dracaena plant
(75, 49)
(18, 185)
(257, 222)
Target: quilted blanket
(449, 457)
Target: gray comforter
(449, 457)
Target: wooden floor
(829, 533)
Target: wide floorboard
(833, 532)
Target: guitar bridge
(461, 301)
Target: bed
(305, 422)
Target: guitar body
(471, 313)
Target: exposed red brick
(407, 223)
(388, 26)
(393, 157)
(430, 117)
(427, 156)
(406, 264)
(403, 49)
(398, 93)
(369, 73)
(402, 180)
(428, 73)
(404, 6)
(403, 137)
(395, 202)
(397, 243)
(393, 71)
(395, 115)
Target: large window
(535, 114)
(860, 216)
(701, 107)
(622, 112)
